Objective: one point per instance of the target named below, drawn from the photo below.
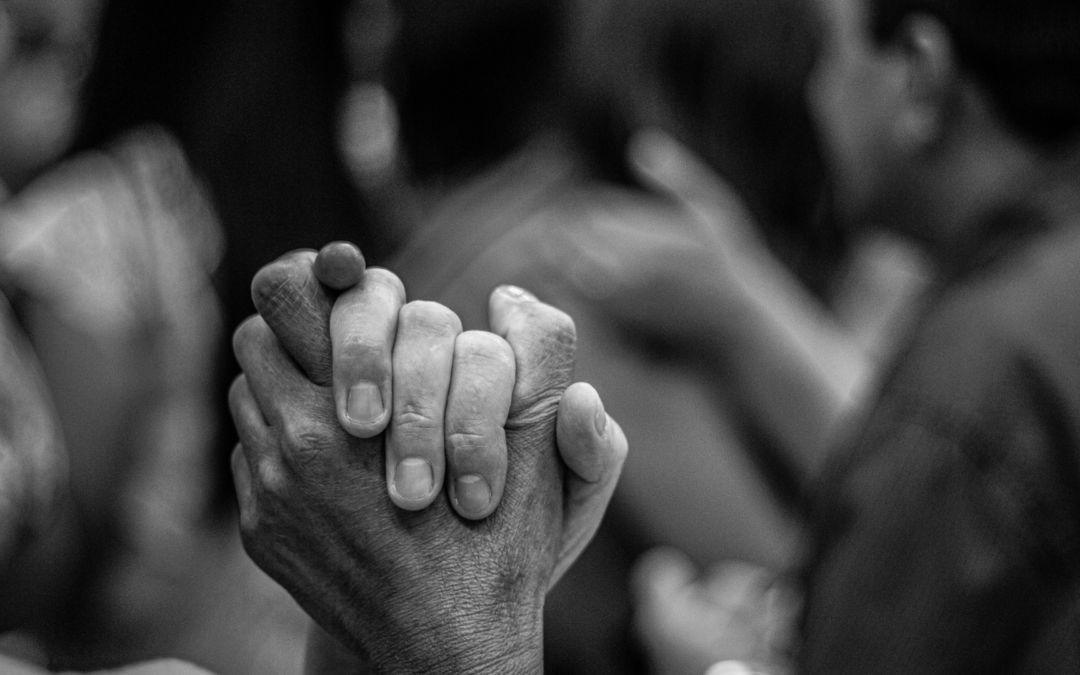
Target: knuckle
(429, 319)
(416, 417)
(484, 348)
(466, 440)
(363, 344)
(268, 282)
(304, 440)
(270, 477)
(237, 391)
(469, 438)
(248, 334)
(274, 283)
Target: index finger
(363, 326)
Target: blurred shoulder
(1020, 314)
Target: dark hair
(1025, 52)
(471, 80)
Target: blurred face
(46, 49)
(849, 98)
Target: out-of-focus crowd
(654, 168)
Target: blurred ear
(931, 82)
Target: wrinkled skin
(416, 591)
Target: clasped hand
(356, 407)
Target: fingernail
(413, 478)
(518, 293)
(473, 493)
(365, 404)
(600, 419)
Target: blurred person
(869, 189)
(46, 50)
(957, 124)
(106, 259)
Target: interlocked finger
(296, 307)
(481, 387)
(363, 325)
(422, 363)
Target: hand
(423, 589)
(432, 420)
(735, 611)
(705, 284)
(676, 269)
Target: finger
(260, 452)
(297, 307)
(363, 325)
(303, 432)
(481, 387)
(270, 373)
(245, 501)
(422, 362)
(339, 265)
(669, 166)
(543, 339)
(582, 434)
(594, 448)
(249, 420)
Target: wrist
(474, 642)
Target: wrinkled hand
(424, 589)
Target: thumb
(593, 447)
